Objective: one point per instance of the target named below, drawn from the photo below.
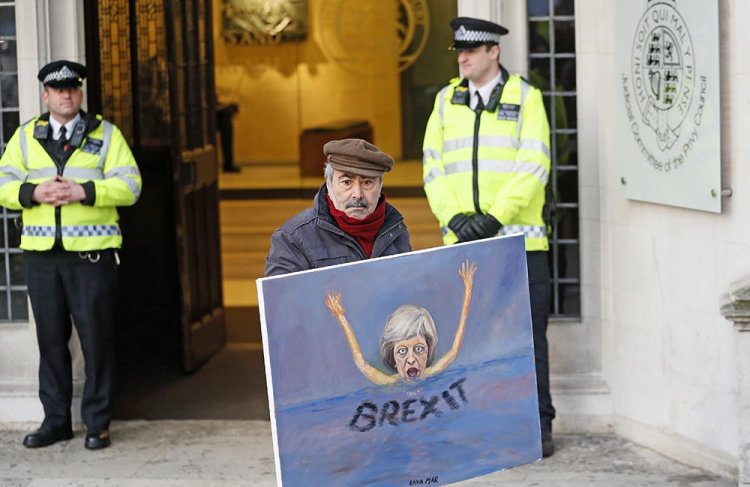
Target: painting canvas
(454, 401)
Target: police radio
(79, 131)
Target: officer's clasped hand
(461, 226)
(58, 191)
(485, 226)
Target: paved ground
(240, 453)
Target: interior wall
(345, 69)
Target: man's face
(479, 64)
(63, 103)
(411, 358)
(355, 195)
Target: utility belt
(93, 256)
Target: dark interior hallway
(231, 385)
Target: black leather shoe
(97, 441)
(548, 446)
(46, 437)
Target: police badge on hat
(62, 74)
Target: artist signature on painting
(425, 481)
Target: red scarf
(362, 230)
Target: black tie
(480, 103)
(61, 141)
(63, 138)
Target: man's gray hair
(328, 172)
(408, 321)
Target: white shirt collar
(68, 126)
(485, 91)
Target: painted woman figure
(409, 340)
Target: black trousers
(69, 288)
(539, 293)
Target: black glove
(485, 226)
(461, 226)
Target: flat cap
(469, 33)
(357, 156)
(62, 74)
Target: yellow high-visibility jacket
(497, 165)
(102, 163)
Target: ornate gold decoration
(114, 59)
(153, 73)
(357, 35)
(413, 30)
(263, 21)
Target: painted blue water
(467, 421)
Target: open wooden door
(195, 176)
(150, 65)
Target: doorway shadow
(152, 386)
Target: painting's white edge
(269, 381)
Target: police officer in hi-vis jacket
(68, 171)
(486, 167)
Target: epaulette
(41, 128)
(461, 93)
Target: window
(13, 303)
(552, 68)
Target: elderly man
(350, 219)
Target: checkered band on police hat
(62, 73)
(469, 32)
(462, 34)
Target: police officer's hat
(62, 74)
(469, 33)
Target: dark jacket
(312, 239)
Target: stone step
(246, 239)
(262, 213)
(243, 265)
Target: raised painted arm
(467, 272)
(333, 301)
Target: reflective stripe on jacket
(103, 158)
(507, 176)
(311, 239)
